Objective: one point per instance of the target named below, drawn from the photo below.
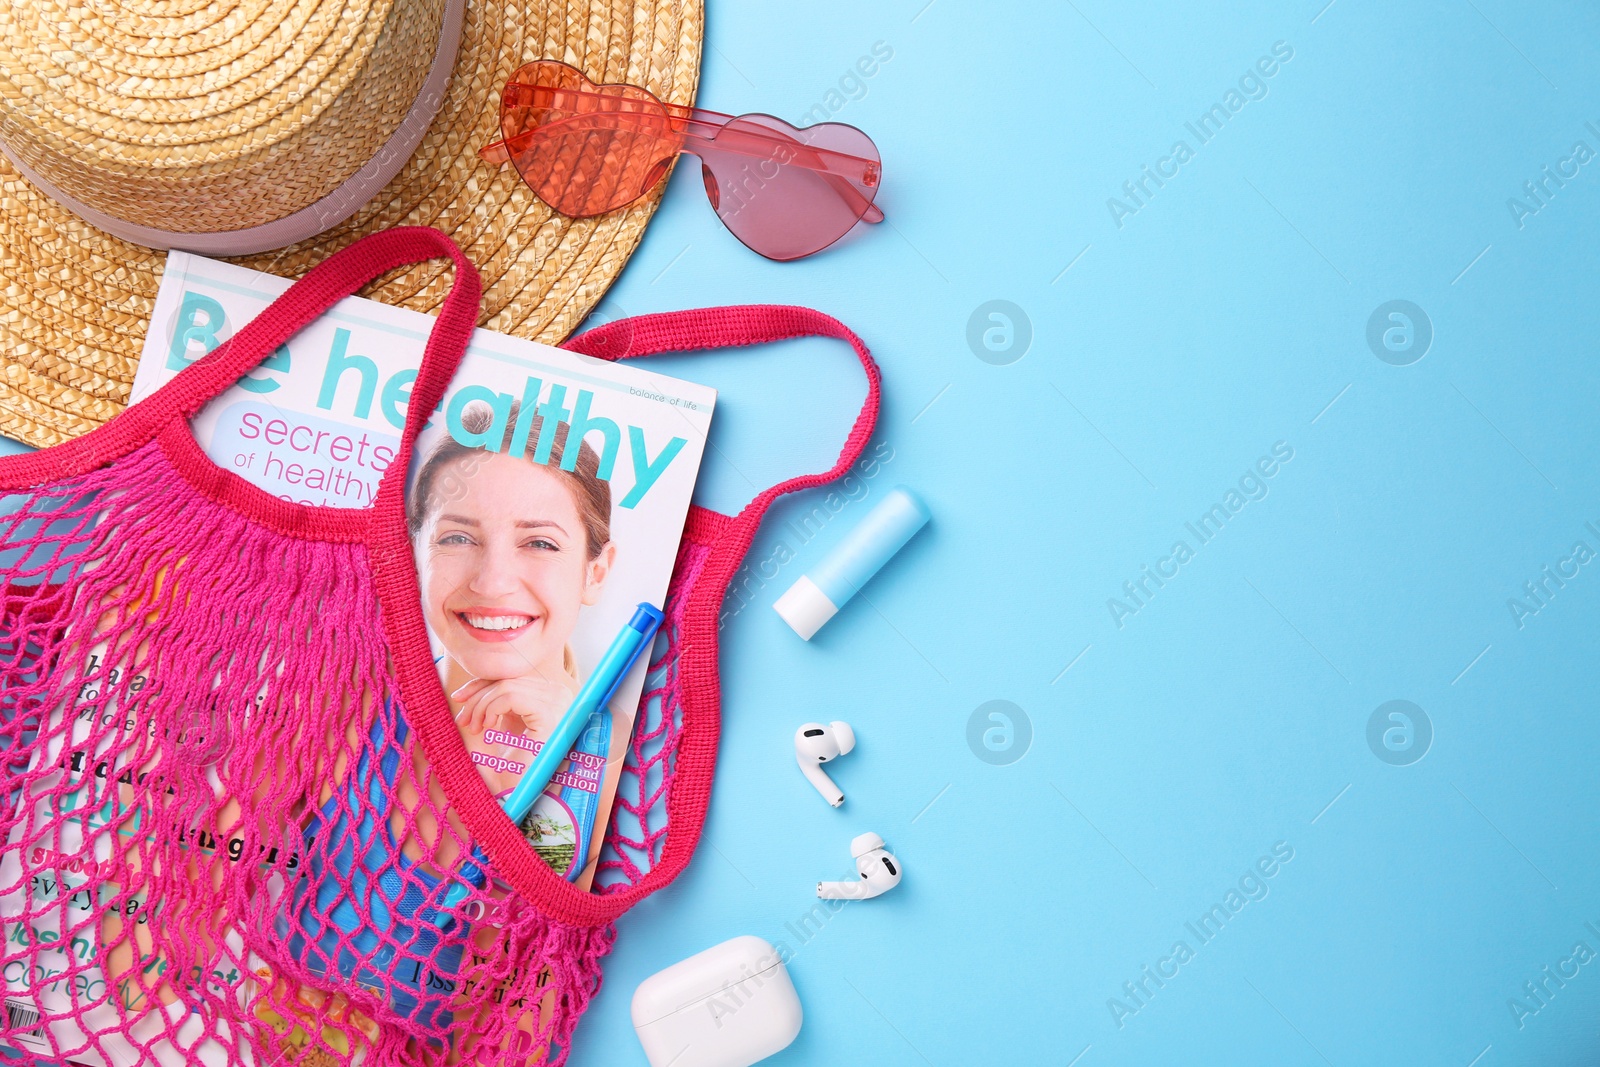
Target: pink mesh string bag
(233, 794)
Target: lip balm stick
(829, 585)
(596, 693)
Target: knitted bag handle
(513, 860)
(338, 276)
(727, 327)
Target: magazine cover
(545, 502)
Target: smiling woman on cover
(508, 552)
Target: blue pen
(595, 694)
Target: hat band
(313, 219)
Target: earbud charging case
(728, 1006)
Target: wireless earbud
(879, 871)
(816, 744)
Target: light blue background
(1230, 713)
(1226, 715)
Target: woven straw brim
(76, 301)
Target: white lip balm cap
(805, 607)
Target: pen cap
(646, 618)
(831, 582)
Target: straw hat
(235, 125)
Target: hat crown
(192, 117)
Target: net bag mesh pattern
(233, 828)
(231, 795)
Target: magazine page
(545, 502)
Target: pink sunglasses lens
(585, 149)
(787, 192)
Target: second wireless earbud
(879, 871)
(816, 744)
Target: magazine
(545, 501)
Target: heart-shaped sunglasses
(587, 149)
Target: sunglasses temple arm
(695, 124)
(758, 146)
(499, 153)
(819, 162)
